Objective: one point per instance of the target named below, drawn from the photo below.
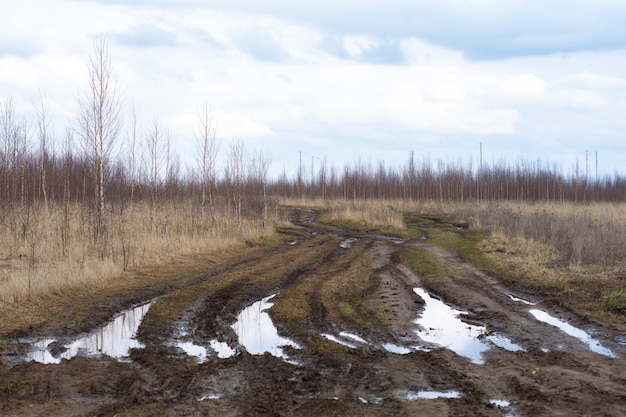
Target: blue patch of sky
(146, 36)
(386, 52)
(19, 49)
(261, 47)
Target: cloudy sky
(344, 79)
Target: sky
(344, 81)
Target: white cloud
(18, 72)
(524, 87)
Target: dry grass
(592, 234)
(53, 252)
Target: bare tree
(235, 178)
(155, 153)
(259, 171)
(99, 124)
(207, 148)
(42, 112)
(133, 151)
(9, 132)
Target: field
(349, 288)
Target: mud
(351, 311)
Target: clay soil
(326, 284)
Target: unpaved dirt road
(347, 301)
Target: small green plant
(616, 301)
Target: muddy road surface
(333, 322)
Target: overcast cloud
(344, 79)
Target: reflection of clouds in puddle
(115, 340)
(583, 336)
(347, 339)
(505, 406)
(257, 333)
(427, 395)
(504, 343)
(393, 348)
(338, 340)
(353, 337)
(441, 325)
(210, 397)
(500, 403)
(222, 349)
(193, 350)
(521, 300)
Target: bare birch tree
(235, 178)
(99, 125)
(259, 173)
(42, 113)
(155, 152)
(133, 152)
(207, 148)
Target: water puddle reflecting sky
(257, 333)
(583, 336)
(441, 325)
(428, 395)
(115, 340)
(393, 348)
(521, 300)
(347, 243)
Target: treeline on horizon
(61, 172)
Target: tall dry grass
(52, 251)
(593, 234)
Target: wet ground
(330, 323)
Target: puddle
(353, 337)
(202, 354)
(441, 325)
(393, 348)
(348, 340)
(347, 243)
(583, 336)
(338, 340)
(114, 340)
(428, 395)
(210, 397)
(500, 403)
(222, 349)
(257, 333)
(504, 406)
(196, 351)
(521, 300)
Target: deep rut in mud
(348, 305)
